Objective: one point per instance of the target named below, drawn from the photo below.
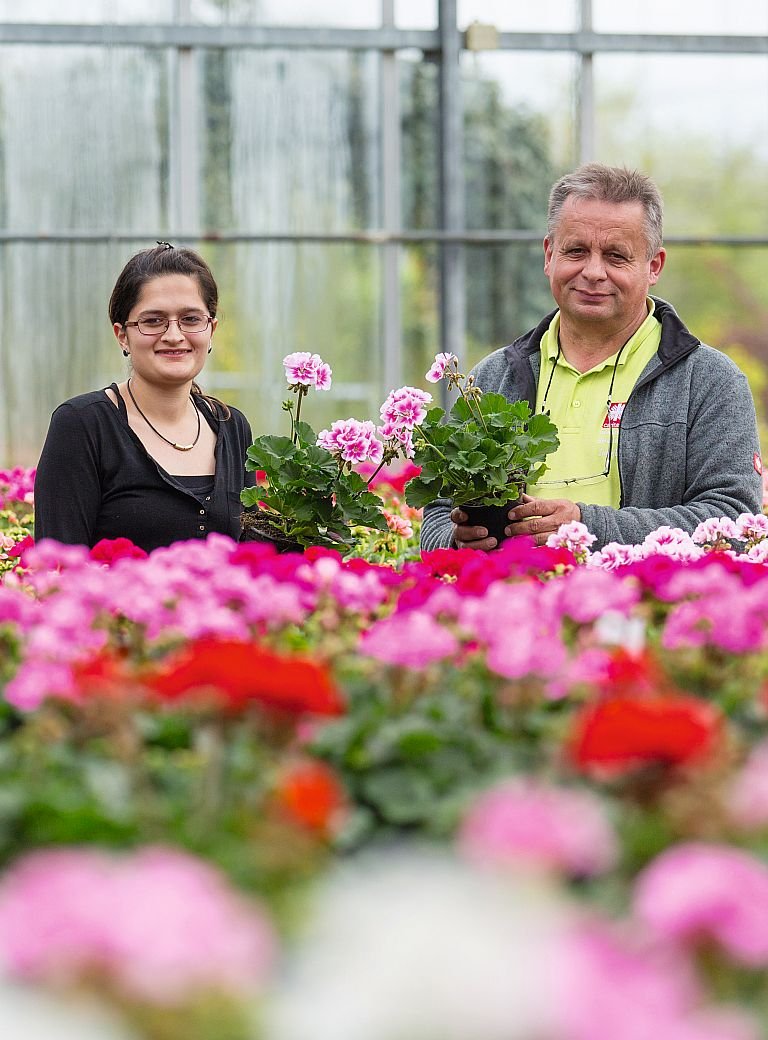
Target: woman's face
(172, 356)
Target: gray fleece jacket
(687, 448)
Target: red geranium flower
(310, 794)
(110, 549)
(240, 673)
(621, 733)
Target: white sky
(672, 16)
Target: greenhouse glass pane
(276, 298)
(97, 157)
(700, 17)
(543, 16)
(507, 293)
(86, 12)
(416, 14)
(291, 141)
(362, 14)
(55, 336)
(519, 131)
(699, 125)
(420, 143)
(419, 279)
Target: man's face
(597, 264)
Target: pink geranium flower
(698, 891)
(441, 362)
(403, 409)
(575, 537)
(529, 823)
(713, 531)
(352, 441)
(305, 369)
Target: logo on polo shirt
(615, 412)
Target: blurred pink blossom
(748, 794)
(399, 525)
(574, 536)
(16, 485)
(160, 923)
(410, 639)
(305, 369)
(613, 986)
(523, 822)
(697, 891)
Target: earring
(126, 353)
(210, 349)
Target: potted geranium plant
(313, 495)
(482, 453)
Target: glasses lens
(151, 326)
(193, 323)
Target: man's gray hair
(610, 184)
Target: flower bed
(522, 794)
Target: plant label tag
(614, 414)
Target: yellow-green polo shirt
(577, 404)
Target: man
(655, 427)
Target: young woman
(152, 458)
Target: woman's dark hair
(152, 263)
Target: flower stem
(295, 422)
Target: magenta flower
(352, 440)
(697, 891)
(305, 369)
(441, 362)
(527, 823)
(161, 924)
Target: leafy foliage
(311, 499)
(484, 451)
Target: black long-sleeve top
(95, 479)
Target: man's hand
(467, 537)
(540, 517)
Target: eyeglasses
(584, 480)
(595, 477)
(157, 326)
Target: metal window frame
(443, 45)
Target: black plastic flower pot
(493, 518)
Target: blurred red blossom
(620, 733)
(239, 673)
(310, 794)
(107, 550)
